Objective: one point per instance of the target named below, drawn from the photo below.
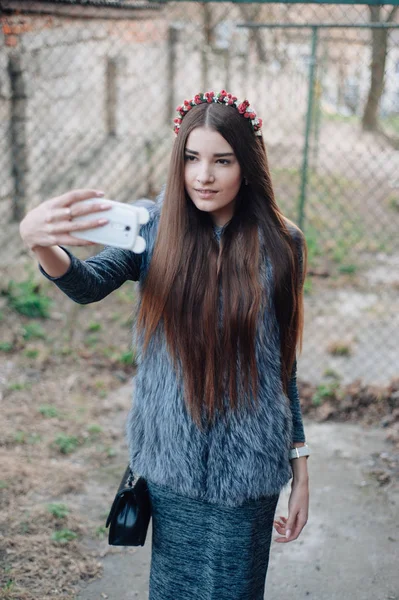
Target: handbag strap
(127, 479)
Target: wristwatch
(298, 452)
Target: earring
(245, 181)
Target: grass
(6, 346)
(391, 122)
(125, 358)
(110, 452)
(393, 201)
(27, 298)
(324, 391)
(339, 349)
(58, 510)
(10, 583)
(32, 331)
(64, 536)
(308, 286)
(349, 269)
(128, 358)
(92, 340)
(18, 386)
(21, 437)
(93, 326)
(66, 444)
(101, 532)
(331, 373)
(94, 430)
(127, 293)
(338, 118)
(48, 411)
(335, 224)
(31, 352)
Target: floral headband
(222, 98)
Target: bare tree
(208, 28)
(251, 14)
(379, 55)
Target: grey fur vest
(226, 463)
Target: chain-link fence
(87, 97)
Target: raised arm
(92, 279)
(49, 225)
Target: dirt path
(349, 549)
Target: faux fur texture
(227, 463)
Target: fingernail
(288, 533)
(99, 194)
(102, 221)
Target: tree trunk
(379, 55)
(207, 29)
(251, 14)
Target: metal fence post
(18, 141)
(172, 41)
(304, 173)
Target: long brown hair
(208, 298)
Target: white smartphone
(122, 229)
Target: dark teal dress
(203, 551)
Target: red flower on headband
(242, 108)
(222, 98)
(209, 96)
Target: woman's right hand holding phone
(50, 223)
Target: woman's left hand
(298, 506)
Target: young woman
(215, 426)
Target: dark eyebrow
(217, 155)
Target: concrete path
(349, 549)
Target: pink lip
(206, 192)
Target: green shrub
(48, 411)
(128, 357)
(31, 352)
(323, 391)
(349, 269)
(26, 298)
(33, 331)
(66, 443)
(58, 510)
(6, 346)
(101, 531)
(17, 386)
(94, 429)
(63, 536)
(19, 437)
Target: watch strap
(298, 452)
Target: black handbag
(130, 512)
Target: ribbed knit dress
(213, 491)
